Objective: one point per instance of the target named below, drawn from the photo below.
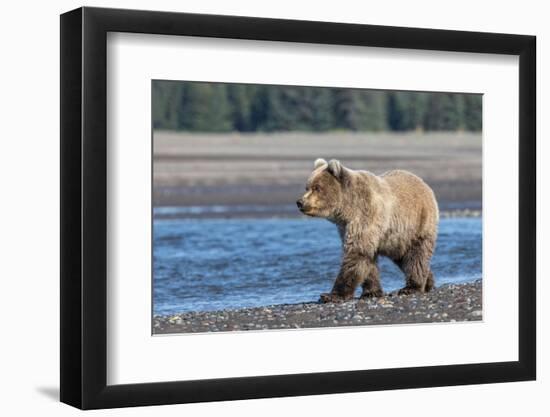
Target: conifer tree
(473, 111)
(216, 107)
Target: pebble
(448, 303)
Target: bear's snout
(300, 204)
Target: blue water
(213, 264)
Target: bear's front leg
(371, 285)
(355, 268)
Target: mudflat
(271, 169)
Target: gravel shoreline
(447, 303)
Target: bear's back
(414, 200)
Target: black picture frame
(84, 207)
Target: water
(214, 264)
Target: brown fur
(394, 215)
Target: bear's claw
(408, 291)
(372, 294)
(331, 298)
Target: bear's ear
(319, 162)
(336, 169)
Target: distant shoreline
(265, 212)
(447, 303)
(269, 211)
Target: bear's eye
(316, 188)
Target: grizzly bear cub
(394, 215)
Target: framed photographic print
(257, 207)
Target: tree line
(218, 107)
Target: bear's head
(324, 190)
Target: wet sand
(271, 169)
(447, 303)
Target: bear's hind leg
(429, 282)
(371, 285)
(416, 267)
